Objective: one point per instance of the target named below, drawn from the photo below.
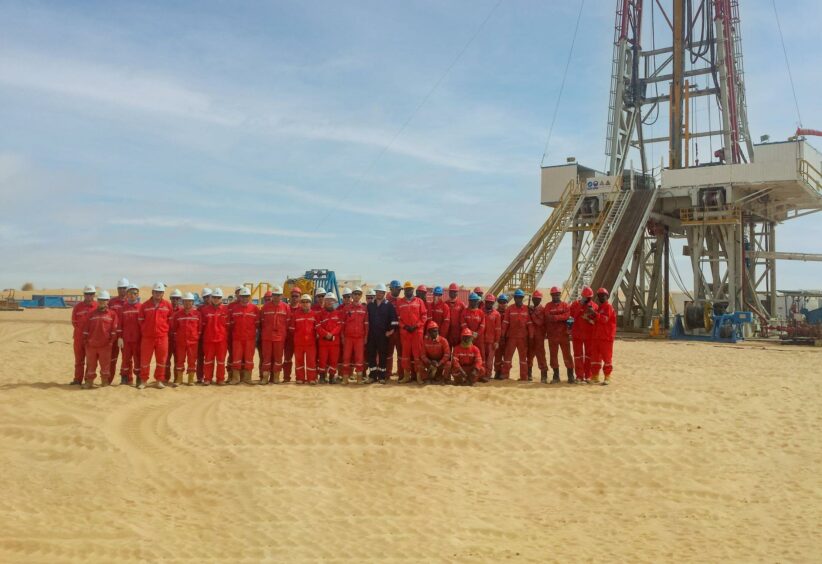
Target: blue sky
(219, 141)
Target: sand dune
(698, 453)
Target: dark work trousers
(376, 353)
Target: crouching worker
(466, 366)
(435, 357)
(185, 324)
(99, 335)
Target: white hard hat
(346, 292)
(206, 292)
(188, 296)
(218, 292)
(133, 287)
(236, 288)
(320, 292)
(305, 298)
(176, 293)
(244, 291)
(123, 283)
(356, 289)
(379, 288)
(330, 296)
(371, 292)
(89, 289)
(277, 290)
(159, 287)
(103, 295)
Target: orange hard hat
(555, 290)
(453, 287)
(537, 294)
(587, 292)
(602, 291)
(433, 325)
(478, 290)
(467, 332)
(422, 288)
(489, 297)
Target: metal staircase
(527, 268)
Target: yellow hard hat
(408, 284)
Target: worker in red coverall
(304, 329)
(502, 305)
(584, 314)
(79, 313)
(466, 364)
(214, 328)
(186, 325)
(155, 318)
(273, 331)
(557, 313)
(234, 303)
(243, 321)
(394, 340)
(473, 317)
(536, 344)
(516, 330)
(288, 351)
(116, 305)
(493, 332)
(411, 313)
(176, 299)
(604, 335)
(205, 296)
(435, 356)
(329, 335)
(99, 333)
(319, 300)
(455, 307)
(355, 337)
(440, 313)
(129, 336)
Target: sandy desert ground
(698, 453)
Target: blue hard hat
(502, 298)
(438, 291)
(472, 297)
(395, 284)
(519, 293)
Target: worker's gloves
(329, 337)
(120, 342)
(410, 328)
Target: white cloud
(212, 227)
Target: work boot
(321, 378)
(160, 385)
(555, 379)
(235, 377)
(178, 379)
(530, 376)
(141, 385)
(544, 376)
(103, 381)
(87, 384)
(606, 380)
(275, 377)
(264, 378)
(404, 378)
(420, 379)
(192, 376)
(571, 379)
(124, 380)
(359, 378)
(246, 376)
(595, 379)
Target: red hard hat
(555, 290)
(453, 287)
(422, 288)
(433, 325)
(537, 294)
(602, 291)
(587, 292)
(478, 290)
(267, 294)
(489, 297)
(296, 290)
(467, 332)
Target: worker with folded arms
(435, 357)
(493, 332)
(584, 314)
(439, 313)
(411, 312)
(304, 328)
(329, 335)
(603, 339)
(466, 363)
(536, 343)
(502, 304)
(116, 304)
(557, 313)
(354, 336)
(155, 322)
(186, 323)
(516, 330)
(274, 319)
(128, 336)
(79, 314)
(382, 325)
(455, 307)
(99, 334)
(243, 321)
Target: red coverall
(493, 332)
(304, 329)
(604, 335)
(501, 348)
(200, 350)
(355, 331)
(441, 315)
(288, 350)
(79, 314)
(99, 332)
(214, 328)
(536, 343)
(474, 319)
(329, 324)
(186, 326)
(468, 360)
(556, 316)
(154, 326)
(455, 308)
(274, 330)
(516, 329)
(394, 341)
(230, 307)
(582, 333)
(116, 305)
(130, 333)
(437, 350)
(410, 313)
(242, 326)
(172, 347)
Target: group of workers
(440, 340)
